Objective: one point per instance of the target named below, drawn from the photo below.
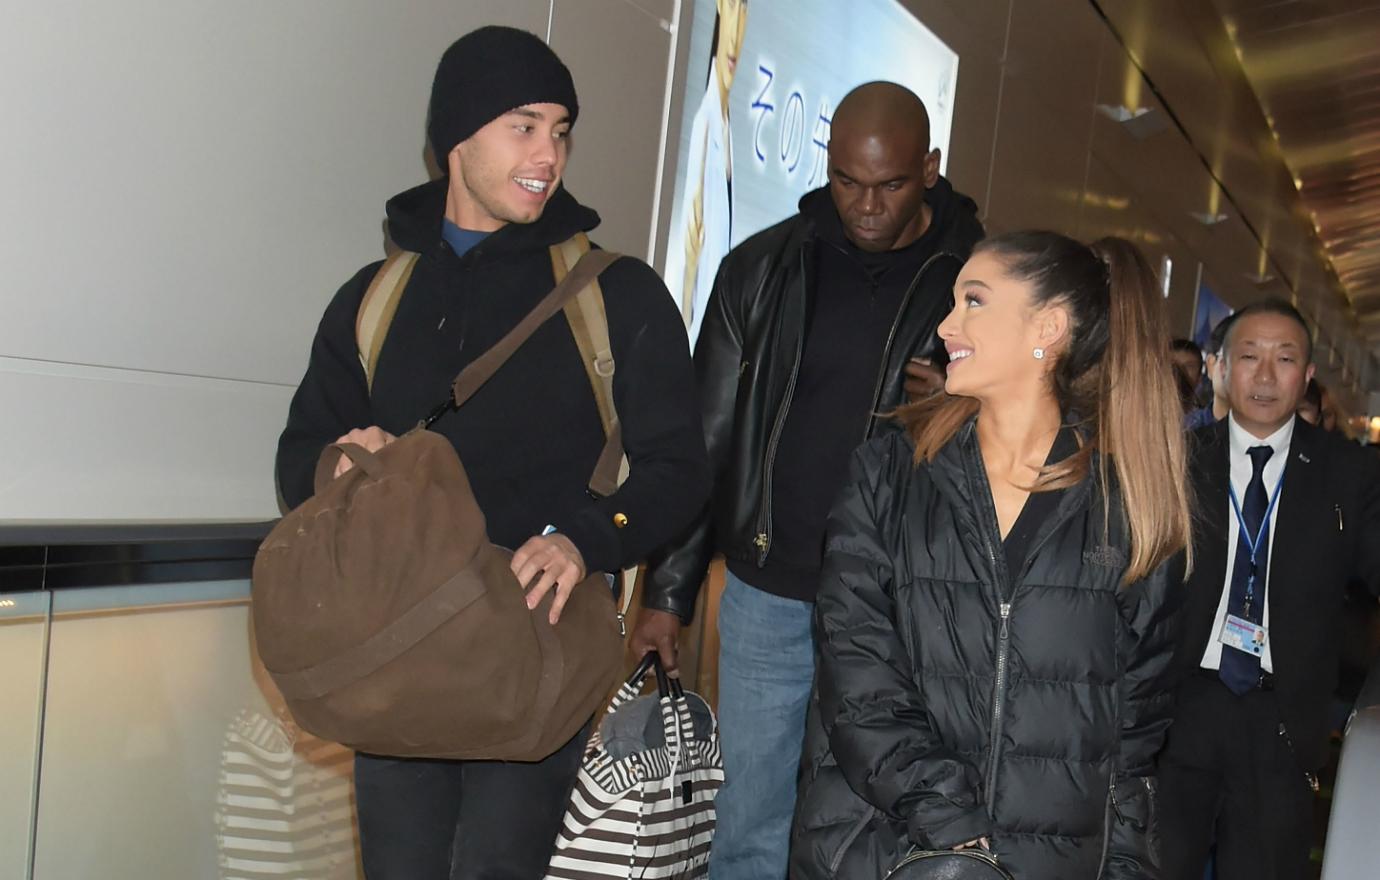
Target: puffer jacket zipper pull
(1116, 808)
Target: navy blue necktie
(1240, 670)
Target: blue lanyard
(1253, 545)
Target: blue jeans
(766, 669)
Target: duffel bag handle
(330, 457)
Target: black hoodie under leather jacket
(747, 358)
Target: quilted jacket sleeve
(1150, 618)
(880, 731)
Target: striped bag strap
(377, 308)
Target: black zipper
(982, 492)
(1308, 777)
(1006, 595)
(891, 338)
(1107, 810)
(925, 855)
(763, 537)
(848, 839)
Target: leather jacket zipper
(1308, 777)
(891, 338)
(763, 538)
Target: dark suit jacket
(1327, 534)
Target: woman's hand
(981, 841)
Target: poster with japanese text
(764, 79)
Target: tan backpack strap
(377, 308)
(589, 324)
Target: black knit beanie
(488, 72)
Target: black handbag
(945, 864)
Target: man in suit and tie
(1287, 515)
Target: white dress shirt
(1240, 441)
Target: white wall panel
(186, 185)
(617, 53)
(103, 444)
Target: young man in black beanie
(501, 111)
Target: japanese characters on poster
(764, 79)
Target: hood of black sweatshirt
(954, 226)
(415, 217)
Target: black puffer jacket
(956, 700)
(747, 359)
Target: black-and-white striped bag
(649, 814)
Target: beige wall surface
(187, 185)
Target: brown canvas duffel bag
(392, 625)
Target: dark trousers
(424, 819)
(1227, 775)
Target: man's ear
(931, 169)
(453, 164)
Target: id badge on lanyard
(1240, 632)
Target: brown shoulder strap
(482, 368)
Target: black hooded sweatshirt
(530, 437)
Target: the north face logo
(1108, 557)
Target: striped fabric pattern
(285, 804)
(649, 815)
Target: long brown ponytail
(1116, 376)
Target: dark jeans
(424, 819)
(1228, 775)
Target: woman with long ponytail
(996, 617)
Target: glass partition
(167, 753)
(139, 735)
(23, 640)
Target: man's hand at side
(559, 563)
(923, 378)
(372, 438)
(656, 631)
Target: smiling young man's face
(1267, 370)
(507, 171)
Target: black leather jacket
(747, 358)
